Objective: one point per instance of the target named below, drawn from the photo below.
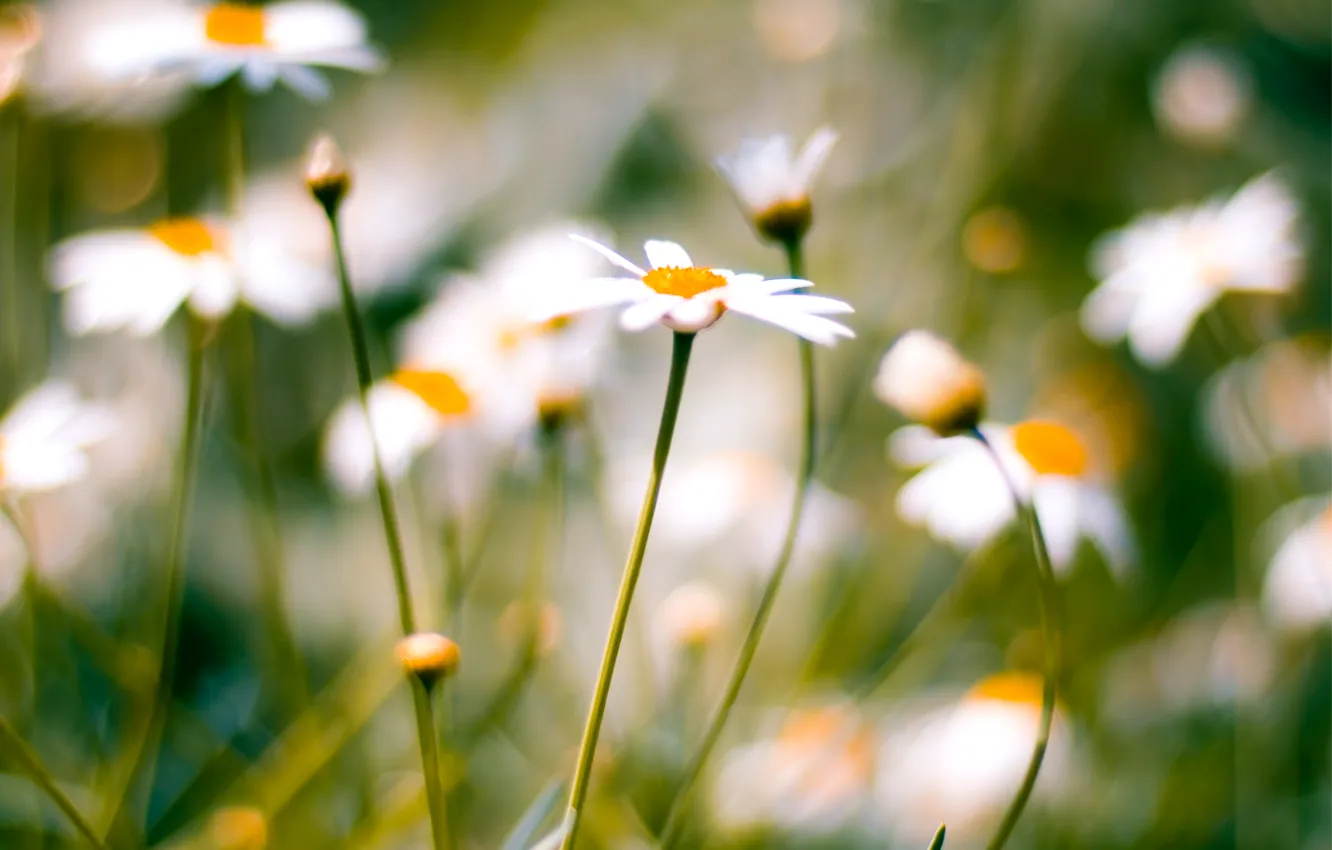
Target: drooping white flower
(1297, 593)
(812, 776)
(1275, 404)
(283, 41)
(1164, 270)
(929, 382)
(45, 437)
(960, 763)
(135, 280)
(961, 497)
(688, 298)
(773, 184)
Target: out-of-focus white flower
(960, 764)
(773, 185)
(1277, 403)
(692, 615)
(135, 279)
(1162, 271)
(45, 437)
(814, 775)
(1297, 593)
(1202, 95)
(20, 32)
(264, 44)
(961, 497)
(688, 298)
(929, 382)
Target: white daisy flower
(1297, 593)
(1275, 404)
(688, 298)
(45, 437)
(135, 279)
(264, 44)
(1202, 95)
(691, 615)
(773, 185)
(961, 763)
(1163, 271)
(929, 382)
(962, 498)
(813, 776)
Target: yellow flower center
(439, 390)
(685, 282)
(1011, 687)
(838, 744)
(1050, 448)
(234, 25)
(188, 237)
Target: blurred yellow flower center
(830, 746)
(437, 389)
(1051, 449)
(685, 282)
(188, 237)
(514, 335)
(234, 25)
(1019, 688)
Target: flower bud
(692, 615)
(326, 173)
(238, 828)
(429, 656)
(928, 381)
(785, 222)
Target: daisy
(45, 437)
(814, 775)
(960, 763)
(961, 498)
(1163, 271)
(925, 378)
(688, 298)
(20, 32)
(1297, 592)
(263, 44)
(773, 185)
(135, 279)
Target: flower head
(20, 32)
(326, 173)
(136, 279)
(1297, 593)
(692, 615)
(428, 656)
(773, 185)
(929, 382)
(264, 44)
(688, 298)
(44, 439)
(1163, 271)
(961, 497)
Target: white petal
(259, 74)
(813, 156)
(647, 313)
(813, 328)
(815, 305)
(1103, 520)
(403, 425)
(304, 26)
(662, 253)
(305, 81)
(215, 292)
(587, 295)
(1163, 320)
(609, 254)
(690, 315)
(212, 70)
(1056, 501)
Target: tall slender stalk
(683, 344)
(1050, 630)
(722, 713)
(421, 702)
(13, 746)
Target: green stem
(683, 344)
(425, 722)
(9, 273)
(1050, 631)
(675, 816)
(143, 753)
(17, 749)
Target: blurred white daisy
(961, 763)
(1275, 404)
(1297, 593)
(45, 437)
(814, 775)
(283, 41)
(773, 184)
(924, 378)
(691, 615)
(1162, 271)
(960, 496)
(688, 298)
(1202, 95)
(135, 280)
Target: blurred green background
(985, 144)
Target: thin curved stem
(682, 346)
(421, 703)
(16, 748)
(675, 816)
(1050, 629)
